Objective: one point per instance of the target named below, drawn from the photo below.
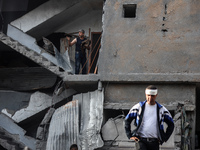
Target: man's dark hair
(73, 146)
(152, 87)
(81, 30)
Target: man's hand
(68, 38)
(135, 139)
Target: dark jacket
(163, 115)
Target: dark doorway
(96, 45)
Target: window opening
(129, 10)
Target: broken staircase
(26, 45)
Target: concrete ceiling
(67, 16)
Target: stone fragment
(48, 116)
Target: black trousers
(146, 145)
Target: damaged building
(134, 43)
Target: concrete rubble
(16, 133)
(38, 102)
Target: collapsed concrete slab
(16, 133)
(39, 102)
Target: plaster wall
(163, 38)
(168, 95)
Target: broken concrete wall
(164, 37)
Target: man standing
(80, 52)
(149, 119)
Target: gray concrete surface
(8, 98)
(167, 94)
(53, 15)
(139, 45)
(9, 125)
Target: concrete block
(38, 102)
(177, 138)
(40, 133)
(177, 116)
(109, 131)
(40, 145)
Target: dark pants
(80, 59)
(146, 145)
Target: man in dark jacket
(80, 54)
(149, 119)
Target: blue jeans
(80, 59)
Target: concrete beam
(136, 78)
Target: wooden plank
(25, 79)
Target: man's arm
(128, 127)
(129, 118)
(71, 43)
(170, 125)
